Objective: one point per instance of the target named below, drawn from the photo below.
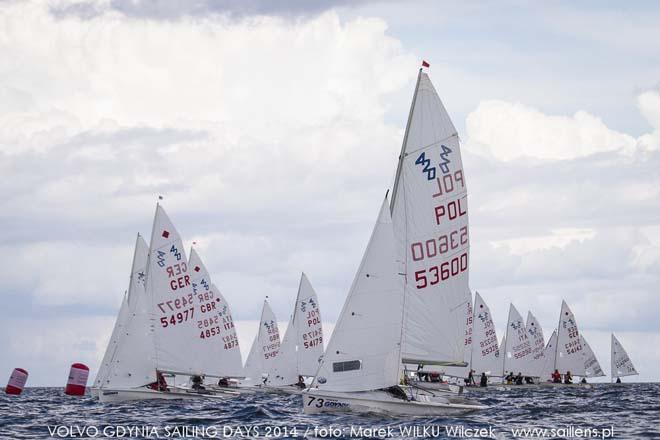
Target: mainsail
(591, 365)
(621, 363)
(430, 217)
(180, 347)
(535, 334)
(217, 323)
(302, 345)
(486, 356)
(133, 362)
(265, 348)
(364, 350)
(518, 349)
(570, 352)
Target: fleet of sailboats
(408, 319)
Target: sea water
(628, 411)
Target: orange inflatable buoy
(16, 381)
(77, 382)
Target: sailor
(556, 377)
(469, 381)
(509, 378)
(583, 380)
(568, 378)
(160, 384)
(483, 382)
(618, 380)
(301, 382)
(223, 382)
(197, 383)
(519, 379)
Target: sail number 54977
(434, 274)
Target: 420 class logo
(431, 170)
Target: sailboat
(126, 311)
(217, 323)
(591, 365)
(264, 351)
(518, 349)
(360, 369)
(537, 341)
(163, 338)
(569, 354)
(302, 345)
(430, 220)
(621, 363)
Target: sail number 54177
(434, 274)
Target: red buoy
(16, 381)
(77, 380)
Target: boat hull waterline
(380, 402)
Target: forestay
(364, 350)
(216, 323)
(486, 356)
(537, 342)
(518, 349)
(302, 345)
(180, 347)
(430, 216)
(133, 363)
(621, 363)
(265, 348)
(570, 352)
(591, 365)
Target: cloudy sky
(272, 130)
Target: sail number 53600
(434, 274)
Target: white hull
(317, 401)
(127, 394)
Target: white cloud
(511, 131)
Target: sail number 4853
(434, 274)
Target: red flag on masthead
(425, 64)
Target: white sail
(537, 342)
(549, 356)
(216, 323)
(120, 322)
(364, 350)
(429, 213)
(265, 348)
(518, 349)
(302, 345)
(180, 347)
(133, 362)
(463, 372)
(570, 353)
(621, 363)
(485, 351)
(591, 365)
